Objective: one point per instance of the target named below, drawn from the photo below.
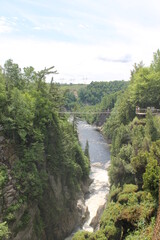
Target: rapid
(99, 154)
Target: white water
(100, 158)
(98, 190)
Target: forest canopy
(44, 144)
(135, 159)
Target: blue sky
(86, 40)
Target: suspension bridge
(138, 111)
(86, 113)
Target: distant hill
(95, 91)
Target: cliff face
(102, 119)
(41, 163)
(61, 211)
(53, 216)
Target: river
(99, 157)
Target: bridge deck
(86, 113)
(139, 111)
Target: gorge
(99, 154)
(44, 174)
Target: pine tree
(86, 150)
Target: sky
(86, 40)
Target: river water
(99, 157)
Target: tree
(151, 177)
(150, 129)
(136, 68)
(3, 95)
(156, 61)
(20, 114)
(29, 75)
(13, 75)
(86, 150)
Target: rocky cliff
(42, 165)
(52, 216)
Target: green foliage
(113, 194)
(95, 91)
(151, 131)
(86, 150)
(13, 75)
(122, 114)
(44, 142)
(28, 171)
(64, 155)
(10, 213)
(29, 115)
(81, 235)
(137, 136)
(144, 231)
(139, 165)
(99, 97)
(3, 95)
(95, 97)
(120, 172)
(135, 162)
(122, 217)
(145, 87)
(38, 226)
(135, 157)
(109, 100)
(128, 188)
(121, 138)
(156, 61)
(70, 100)
(20, 115)
(23, 221)
(151, 177)
(82, 161)
(3, 176)
(4, 232)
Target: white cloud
(83, 26)
(5, 27)
(113, 31)
(37, 28)
(73, 61)
(8, 25)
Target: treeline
(135, 162)
(96, 97)
(106, 105)
(44, 144)
(91, 94)
(95, 91)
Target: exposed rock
(102, 119)
(85, 185)
(28, 232)
(60, 209)
(1, 139)
(95, 221)
(82, 211)
(97, 164)
(8, 188)
(66, 193)
(74, 210)
(56, 186)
